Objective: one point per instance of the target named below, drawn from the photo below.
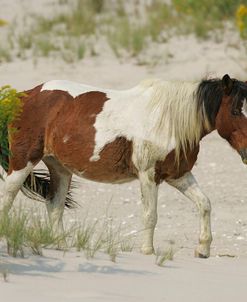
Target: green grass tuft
(44, 46)
(5, 54)
(12, 229)
(162, 256)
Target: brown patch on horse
(27, 143)
(71, 139)
(115, 163)
(26, 140)
(38, 111)
(170, 169)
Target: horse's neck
(207, 131)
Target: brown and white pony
(150, 132)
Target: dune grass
(13, 231)
(23, 232)
(89, 238)
(128, 33)
(202, 17)
(5, 54)
(163, 255)
(162, 20)
(124, 37)
(5, 274)
(50, 35)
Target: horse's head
(231, 120)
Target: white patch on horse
(15, 177)
(123, 115)
(73, 88)
(65, 138)
(13, 183)
(144, 116)
(244, 108)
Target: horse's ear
(227, 84)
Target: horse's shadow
(108, 269)
(47, 266)
(36, 267)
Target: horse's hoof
(148, 250)
(201, 255)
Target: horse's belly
(106, 170)
(114, 164)
(105, 176)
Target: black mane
(238, 94)
(210, 93)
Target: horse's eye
(235, 112)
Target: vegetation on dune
(162, 256)
(10, 108)
(71, 33)
(241, 16)
(22, 231)
(204, 16)
(3, 22)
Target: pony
(150, 132)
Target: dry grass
(127, 244)
(202, 17)
(23, 232)
(162, 256)
(5, 54)
(5, 274)
(67, 34)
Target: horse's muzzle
(243, 153)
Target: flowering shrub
(10, 108)
(241, 16)
(203, 16)
(3, 22)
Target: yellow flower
(242, 11)
(3, 22)
(241, 16)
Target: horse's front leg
(189, 187)
(149, 191)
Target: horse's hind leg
(26, 152)
(12, 185)
(189, 187)
(59, 186)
